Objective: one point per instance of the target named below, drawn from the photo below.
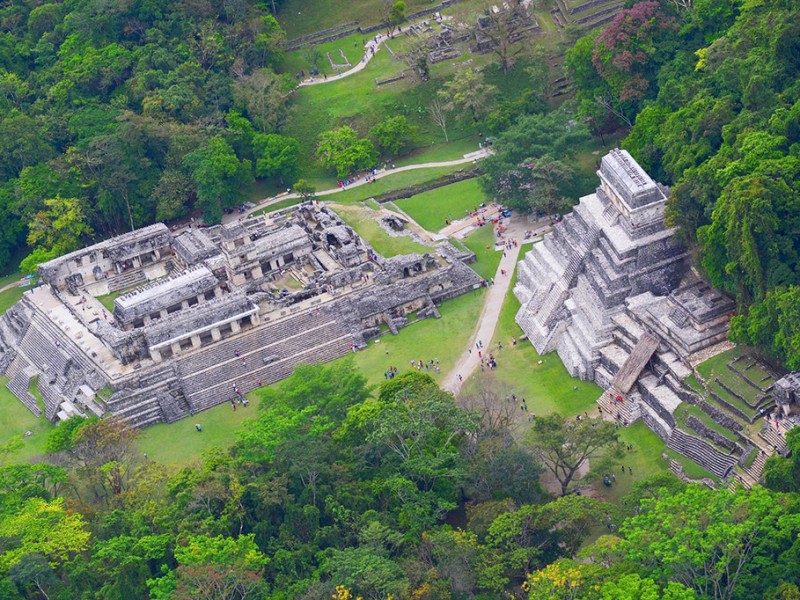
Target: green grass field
(179, 444)
(481, 242)
(430, 209)
(298, 17)
(431, 339)
(108, 300)
(362, 220)
(440, 152)
(15, 420)
(389, 183)
(10, 297)
(547, 387)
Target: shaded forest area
(118, 114)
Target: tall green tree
(564, 447)
(343, 151)
(468, 94)
(61, 227)
(219, 176)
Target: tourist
(198, 427)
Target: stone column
(185, 304)
(235, 326)
(201, 298)
(164, 313)
(257, 273)
(196, 343)
(218, 292)
(254, 320)
(176, 348)
(216, 335)
(155, 355)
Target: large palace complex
(208, 312)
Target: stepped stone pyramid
(613, 245)
(611, 290)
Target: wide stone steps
(757, 468)
(223, 390)
(229, 369)
(770, 435)
(18, 382)
(52, 332)
(246, 344)
(703, 453)
(42, 352)
(625, 412)
(126, 280)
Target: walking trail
(370, 49)
(361, 180)
(490, 312)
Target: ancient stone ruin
(206, 312)
(612, 292)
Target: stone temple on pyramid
(612, 291)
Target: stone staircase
(626, 412)
(43, 353)
(271, 353)
(19, 378)
(757, 468)
(126, 280)
(702, 453)
(775, 440)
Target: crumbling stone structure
(208, 312)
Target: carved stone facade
(209, 312)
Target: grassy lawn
(430, 209)
(645, 460)
(108, 299)
(179, 444)
(10, 278)
(547, 387)
(277, 206)
(10, 297)
(362, 220)
(298, 17)
(16, 419)
(481, 242)
(430, 339)
(440, 152)
(299, 60)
